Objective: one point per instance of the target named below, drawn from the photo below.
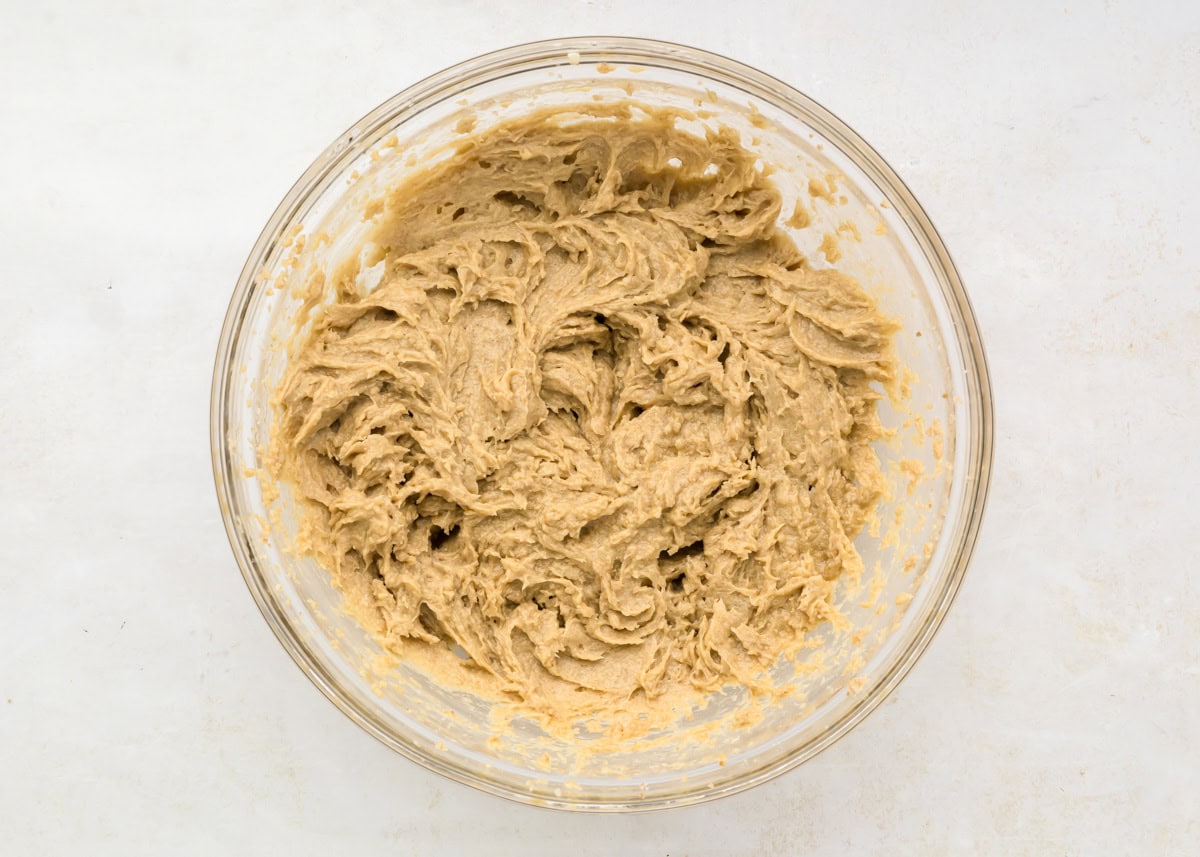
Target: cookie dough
(599, 428)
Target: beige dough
(600, 427)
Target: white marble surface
(145, 708)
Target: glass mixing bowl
(937, 460)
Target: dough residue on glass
(599, 428)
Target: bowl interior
(914, 553)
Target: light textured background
(145, 708)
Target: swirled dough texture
(599, 425)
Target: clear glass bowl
(915, 557)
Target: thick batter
(600, 428)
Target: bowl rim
(557, 52)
